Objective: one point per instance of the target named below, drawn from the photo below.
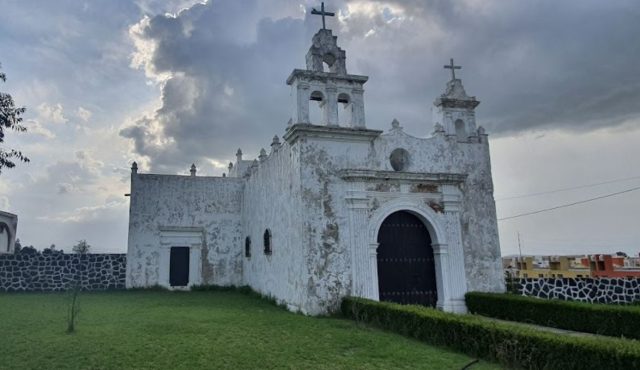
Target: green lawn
(189, 330)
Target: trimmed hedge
(511, 344)
(612, 320)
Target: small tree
(82, 248)
(10, 119)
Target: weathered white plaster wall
(203, 213)
(479, 231)
(466, 211)
(320, 193)
(272, 200)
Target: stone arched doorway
(406, 266)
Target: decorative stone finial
(239, 155)
(481, 131)
(275, 142)
(224, 175)
(134, 167)
(395, 125)
(438, 129)
(193, 169)
(230, 165)
(263, 155)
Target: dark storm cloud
(534, 65)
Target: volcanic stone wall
(600, 290)
(58, 271)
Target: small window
(247, 247)
(540, 275)
(267, 242)
(461, 131)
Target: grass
(189, 330)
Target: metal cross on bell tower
(323, 14)
(453, 68)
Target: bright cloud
(51, 113)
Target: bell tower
(455, 110)
(325, 82)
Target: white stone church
(331, 210)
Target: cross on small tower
(453, 68)
(323, 14)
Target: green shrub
(612, 320)
(510, 344)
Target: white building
(8, 228)
(331, 210)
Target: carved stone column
(441, 259)
(301, 114)
(456, 281)
(357, 108)
(361, 252)
(331, 106)
(373, 291)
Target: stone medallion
(399, 159)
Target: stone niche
(8, 228)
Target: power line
(569, 204)
(567, 189)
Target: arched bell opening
(344, 109)
(328, 60)
(316, 102)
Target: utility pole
(519, 246)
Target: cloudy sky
(106, 82)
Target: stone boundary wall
(59, 272)
(592, 290)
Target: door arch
(406, 265)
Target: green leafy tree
(9, 120)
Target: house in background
(608, 266)
(547, 267)
(596, 266)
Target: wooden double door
(406, 266)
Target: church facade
(332, 209)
